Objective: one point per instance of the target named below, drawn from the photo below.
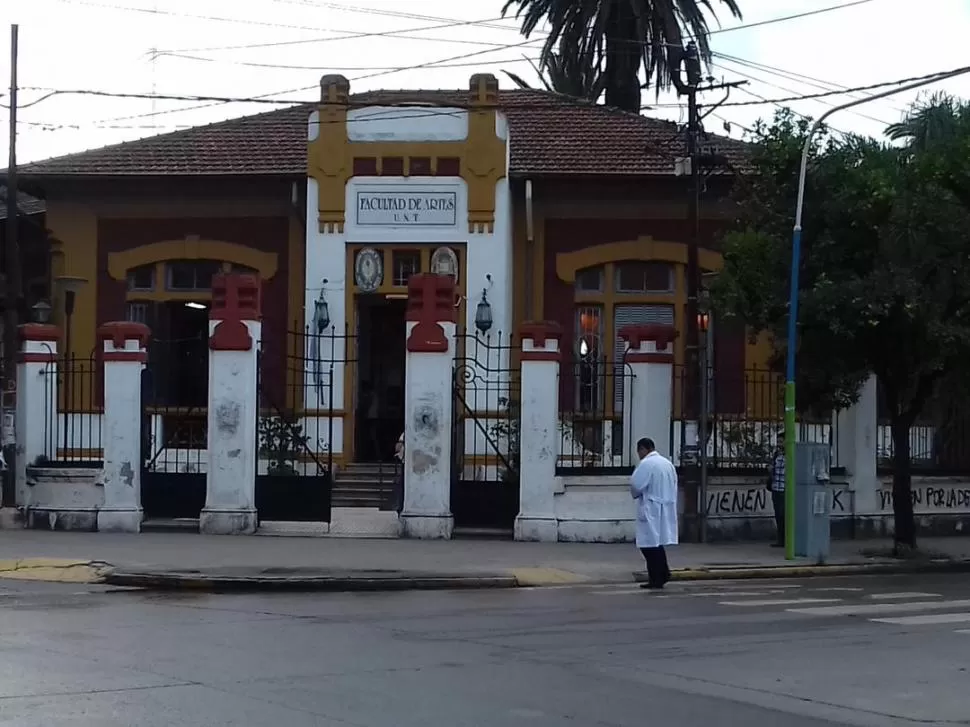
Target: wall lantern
(321, 311)
(483, 314)
(41, 311)
(703, 321)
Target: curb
(331, 584)
(816, 571)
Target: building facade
(537, 207)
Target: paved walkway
(528, 563)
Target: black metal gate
(485, 443)
(174, 428)
(294, 430)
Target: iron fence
(485, 446)
(73, 397)
(745, 416)
(594, 435)
(939, 440)
(295, 427)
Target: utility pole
(694, 397)
(12, 280)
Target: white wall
(486, 254)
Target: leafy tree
(885, 273)
(625, 36)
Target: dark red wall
(267, 234)
(568, 235)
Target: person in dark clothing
(776, 485)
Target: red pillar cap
(120, 331)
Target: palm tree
(940, 123)
(626, 35)
(574, 70)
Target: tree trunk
(905, 521)
(623, 53)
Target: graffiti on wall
(931, 498)
(755, 501)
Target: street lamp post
(796, 250)
(703, 330)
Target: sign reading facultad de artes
(407, 208)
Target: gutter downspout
(529, 250)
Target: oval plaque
(445, 262)
(369, 270)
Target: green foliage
(281, 442)
(885, 269)
(623, 37)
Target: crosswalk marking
(780, 601)
(926, 620)
(839, 590)
(901, 596)
(875, 609)
(962, 631)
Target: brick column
(539, 432)
(125, 354)
(36, 416)
(648, 399)
(428, 416)
(234, 334)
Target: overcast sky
(235, 49)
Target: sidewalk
(188, 560)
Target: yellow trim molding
(119, 263)
(643, 248)
(482, 154)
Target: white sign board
(411, 208)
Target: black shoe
(652, 586)
(777, 545)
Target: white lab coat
(654, 489)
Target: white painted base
(364, 522)
(301, 529)
(536, 529)
(227, 522)
(120, 520)
(597, 531)
(11, 518)
(428, 527)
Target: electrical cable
(824, 102)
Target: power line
(786, 18)
(819, 83)
(489, 23)
(756, 79)
(429, 64)
(280, 66)
(827, 94)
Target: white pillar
(125, 354)
(428, 412)
(234, 334)
(648, 399)
(538, 432)
(36, 416)
(855, 447)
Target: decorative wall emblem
(445, 262)
(369, 270)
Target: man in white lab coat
(654, 489)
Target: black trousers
(657, 569)
(778, 504)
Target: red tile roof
(550, 135)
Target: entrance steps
(363, 485)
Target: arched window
(611, 296)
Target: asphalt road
(876, 651)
